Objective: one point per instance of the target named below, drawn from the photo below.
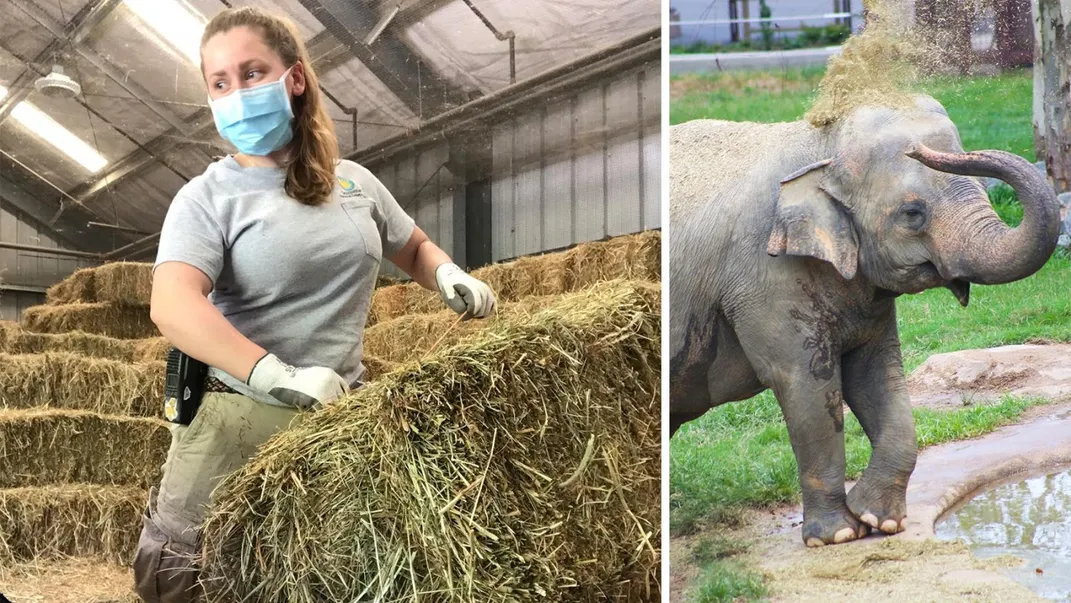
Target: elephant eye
(913, 215)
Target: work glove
(464, 294)
(303, 388)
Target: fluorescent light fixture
(180, 26)
(56, 135)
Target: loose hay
(74, 519)
(521, 464)
(112, 320)
(16, 340)
(125, 283)
(45, 447)
(75, 580)
(410, 337)
(61, 380)
(630, 257)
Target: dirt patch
(912, 566)
(959, 378)
(68, 581)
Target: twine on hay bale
(39, 447)
(112, 320)
(124, 283)
(63, 380)
(16, 340)
(70, 520)
(629, 257)
(521, 464)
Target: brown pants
(225, 434)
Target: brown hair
(310, 177)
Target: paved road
(774, 59)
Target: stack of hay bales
(518, 460)
(111, 300)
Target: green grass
(991, 112)
(739, 455)
(729, 580)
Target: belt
(213, 384)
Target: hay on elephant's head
(16, 340)
(40, 447)
(63, 380)
(630, 257)
(521, 464)
(109, 319)
(70, 520)
(124, 283)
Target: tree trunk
(1052, 101)
(1014, 35)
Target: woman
(267, 262)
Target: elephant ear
(809, 221)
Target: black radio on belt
(183, 387)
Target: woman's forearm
(428, 257)
(192, 324)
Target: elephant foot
(883, 509)
(833, 527)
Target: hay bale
(16, 340)
(70, 381)
(73, 519)
(112, 320)
(374, 368)
(40, 447)
(123, 283)
(522, 464)
(410, 337)
(628, 257)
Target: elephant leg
(814, 414)
(876, 391)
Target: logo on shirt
(349, 187)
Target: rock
(1041, 166)
(991, 183)
(1064, 240)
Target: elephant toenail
(843, 535)
(869, 519)
(815, 542)
(889, 526)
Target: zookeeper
(266, 267)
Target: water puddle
(1030, 519)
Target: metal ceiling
(143, 105)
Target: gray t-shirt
(296, 280)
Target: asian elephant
(788, 246)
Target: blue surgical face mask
(256, 120)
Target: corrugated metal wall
(23, 274)
(424, 187)
(583, 168)
(580, 169)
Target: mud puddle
(1030, 519)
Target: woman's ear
(297, 76)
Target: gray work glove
(463, 293)
(304, 388)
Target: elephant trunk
(997, 253)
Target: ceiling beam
(405, 74)
(39, 211)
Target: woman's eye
(249, 74)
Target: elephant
(789, 244)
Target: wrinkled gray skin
(788, 247)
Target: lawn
(990, 112)
(738, 455)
